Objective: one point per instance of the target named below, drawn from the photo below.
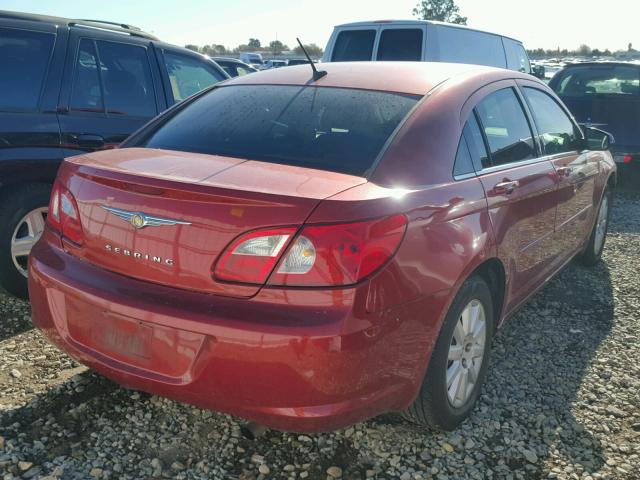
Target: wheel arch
(492, 271)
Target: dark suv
(56, 102)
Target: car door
(576, 168)
(185, 73)
(111, 88)
(519, 186)
(30, 57)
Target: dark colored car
(605, 95)
(297, 61)
(55, 102)
(234, 67)
(356, 257)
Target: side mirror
(538, 71)
(597, 139)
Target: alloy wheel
(466, 353)
(25, 236)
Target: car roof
(414, 78)
(70, 22)
(419, 22)
(602, 64)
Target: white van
(424, 40)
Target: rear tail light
(251, 258)
(64, 216)
(327, 255)
(627, 159)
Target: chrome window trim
(531, 161)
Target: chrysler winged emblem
(140, 220)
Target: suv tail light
(64, 216)
(326, 255)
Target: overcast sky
(538, 23)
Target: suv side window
(517, 58)
(353, 45)
(121, 86)
(188, 75)
(400, 44)
(24, 58)
(460, 45)
(506, 127)
(556, 131)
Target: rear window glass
(334, 129)
(354, 45)
(614, 80)
(24, 57)
(400, 44)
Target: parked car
(297, 61)
(273, 64)
(355, 258)
(421, 40)
(605, 95)
(55, 102)
(253, 59)
(234, 67)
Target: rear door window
(463, 164)
(188, 75)
(353, 45)
(122, 85)
(400, 44)
(462, 45)
(506, 127)
(24, 59)
(335, 129)
(557, 133)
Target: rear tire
(440, 404)
(21, 219)
(593, 252)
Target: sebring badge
(140, 220)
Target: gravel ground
(562, 401)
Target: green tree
(195, 48)
(214, 49)
(277, 47)
(584, 49)
(441, 10)
(312, 49)
(254, 43)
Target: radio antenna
(317, 74)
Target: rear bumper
(290, 359)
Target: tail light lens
(64, 216)
(251, 258)
(327, 255)
(342, 254)
(627, 159)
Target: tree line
(274, 47)
(582, 51)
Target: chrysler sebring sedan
(311, 251)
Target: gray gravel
(562, 401)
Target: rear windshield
(335, 129)
(607, 80)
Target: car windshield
(334, 129)
(607, 80)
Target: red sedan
(311, 253)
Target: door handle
(564, 171)
(87, 140)
(505, 188)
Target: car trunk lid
(194, 204)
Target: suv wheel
(459, 360)
(23, 214)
